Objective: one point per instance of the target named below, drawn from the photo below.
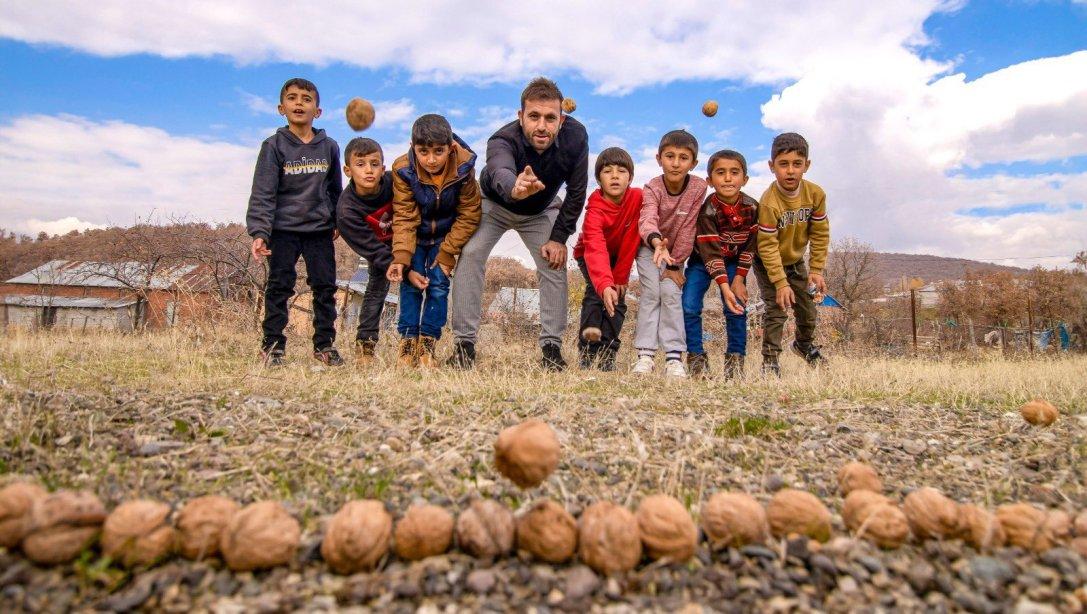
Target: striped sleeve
(708, 242)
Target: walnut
(548, 532)
(425, 530)
(734, 519)
(569, 105)
(527, 453)
(979, 528)
(1034, 529)
(608, 538)
(200, 525)
(63, 524)
(858, 504)
(360, 114)
(795, 511)
(666, 528)
(138, 533)
(931, 514)
(16, 499)
(858, 476)
(357, 537)
(485, 529)
(1039, 412)
(259, 536)
(884, 525)
(709, 108)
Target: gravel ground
(123, 443)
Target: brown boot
(427, 345)
(365, 352)
(698, 365)
(409, 352)
(734, 366)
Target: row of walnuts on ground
(55, 528)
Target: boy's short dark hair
(362, 146)
(679, 138)
(431, 129)
(302, 84)
(614, 156)
(726, 154)
(786, 142)
(540, 88)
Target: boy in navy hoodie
(292, 213)
(436, 209)
(364, 217)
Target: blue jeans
(424, 312)
(694, 291)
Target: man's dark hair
(679, 138)
(726, 154)
(540, 88)
(431, 129)
(786, 142)
(302, 84)
(361, 146)
(614, 156)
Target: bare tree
(852, 275)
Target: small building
(101, 295)
(515, 304)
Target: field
(175, 415)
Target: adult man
(528, 160)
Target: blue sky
(952, 128)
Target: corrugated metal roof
(106, 275)
(37, 300)
(357, 288)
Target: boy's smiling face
(299, 106)
(614, 181)
(789, 169)
(365, 171)
(431, 157)
(727, 178)
(676, 162)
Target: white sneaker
(676, 369)
(643, 366)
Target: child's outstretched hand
(418, 280)
(785, 297)
(731, 301)
(661, 257)
(395, 273)
(817, 280)
(739, 288)
(611, 299)
(259, 249)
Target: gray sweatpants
(660, 309)
(535, 230)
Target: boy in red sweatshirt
(605, 252)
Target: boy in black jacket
(296, 185)
(364, 217)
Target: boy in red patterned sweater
(727, 233)
(605, 253)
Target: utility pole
(913, 316)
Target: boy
(604, 253)
(792, 213)
(364, 219)
(296, 185)
(667, 226)
(728, 228)
(436, 208)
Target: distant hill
(893, 267)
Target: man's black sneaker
(812, 356)
(607, 359)
(552, 358)
(329, 356)
(698, 365)
(273, 357)
(770, 366)
(464, 355)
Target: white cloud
(258, 104)
(652, 42)
(56, 227)
(68, 172)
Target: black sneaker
(273, 357)
(698, 365)
(770, 366)
(464, 355)
(607, 359)
(812, 356)
(552, 358)
(329, 356)
(587, 355)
